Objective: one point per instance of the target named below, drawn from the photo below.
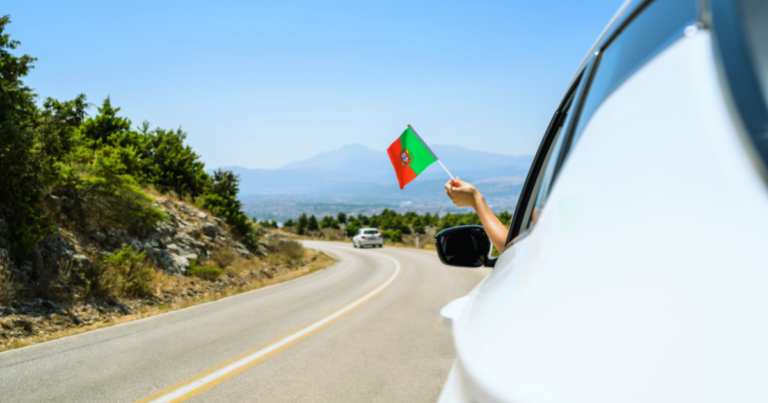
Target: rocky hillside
(72, 282)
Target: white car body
(645, 276)
(367, 237)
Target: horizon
(363, 145)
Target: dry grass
(8, 287)
(162, 281)
(222, 257)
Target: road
(366, 329)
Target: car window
(371, 232)
(655, 26)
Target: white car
(636, 268)
(367, 237)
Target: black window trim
(541, 155)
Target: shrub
(396, 236)
(210, 273)
(223, 257)
(291, 251)
(125, 272)
(106, 195)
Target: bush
(394, 236)
(292, 251)
(223, 257)
(105, 195)
(204, 272)
(125, 272)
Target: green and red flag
(410, 156)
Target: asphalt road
(386, 344)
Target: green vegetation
(392, 224)
(210, 273)
(124, 272)
(57, 162)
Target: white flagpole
(430, 150)
(446, 169)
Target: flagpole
(430, 151)
(446, 169)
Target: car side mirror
(464, 246)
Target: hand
(462, 194)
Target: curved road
(365, 329)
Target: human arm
(463, 194)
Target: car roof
(366, 229)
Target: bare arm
(463, 194)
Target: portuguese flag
(410, 156)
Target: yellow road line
(213, 376)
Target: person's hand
(462, 194)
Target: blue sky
(260, 84)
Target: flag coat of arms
(410, 156)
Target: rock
(174, 263)
(137, 245)
(218, 220)
(152, 243)
(202, 215)
(99, 237)
(194, 233)
(4, 254)
(48, 305)
(82, 260)
(210, 230)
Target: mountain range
(355, 175)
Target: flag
(410, 156)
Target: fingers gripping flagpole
(430, 150)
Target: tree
(302, 223)
(32, 143)
(171, 165)
(312, 225)
(341, 217)
(221, 199)
(352, 228)
(288, 223)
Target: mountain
(357, 175)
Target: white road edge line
(278, 344)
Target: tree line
(392, 224)
(98, 168)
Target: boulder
(202, 215)
(173, 263)
(99, 237)
(210, 230)
(137, 245)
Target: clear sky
(260, 84)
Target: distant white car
(635, 268)
(367, 237)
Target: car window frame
(581, 84)
(542, 154)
